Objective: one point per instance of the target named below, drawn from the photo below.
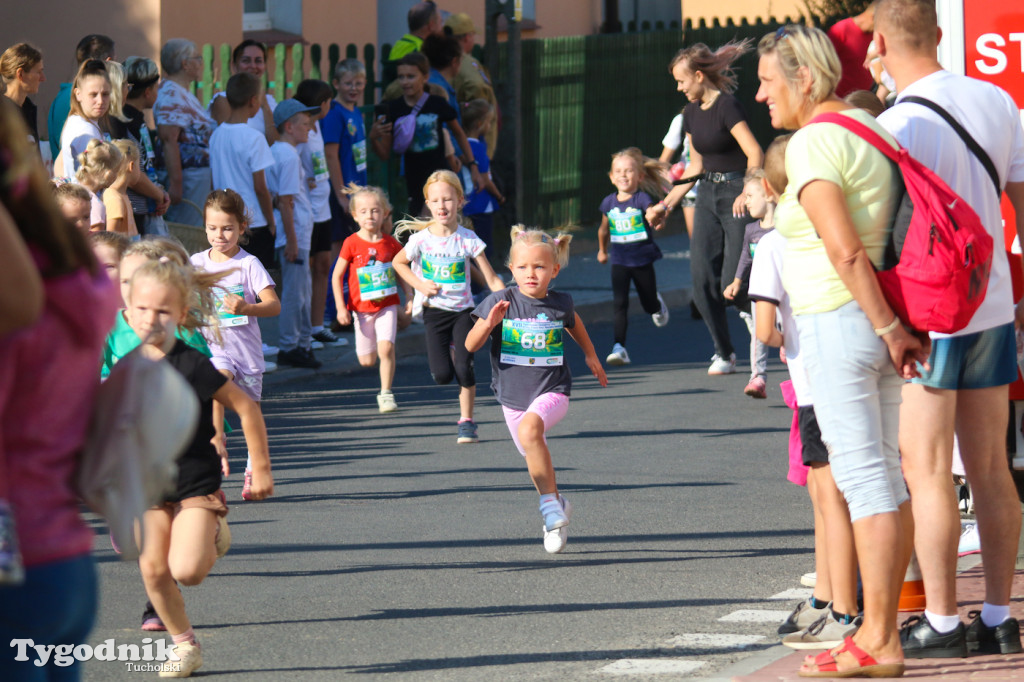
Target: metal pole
(516, 69)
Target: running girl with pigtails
(530, 378)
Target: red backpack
(936, 265)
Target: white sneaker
(809, 579)
(720, 365)
(191, 659)
(970, 541)
(661, 317)
(555, 539)
(269, 366)
(317, 345)
(386, 402)
(824, 633)
(618, 356)
(269, 350)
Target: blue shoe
(556, 521)
(467, 432)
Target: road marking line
(797, 593)
(652, 666)
(704, 640)
(755, 616)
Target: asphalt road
(389, 551)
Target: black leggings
(443, 329)
(646, 290)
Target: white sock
(992, 615)
(318, 329)
(385, 391)
(942, 624)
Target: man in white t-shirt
(238, 158)
(971, 370)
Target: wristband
(889, 327)
(668, 209)
(471, 163)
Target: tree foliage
(828, 11)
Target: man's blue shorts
(981, 360)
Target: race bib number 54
(535, 343)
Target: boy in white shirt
(294, 213)
(239, 158)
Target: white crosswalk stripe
(796, 594)
(652, 666)
(702, 640)
(755, 616)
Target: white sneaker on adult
(970, 541)
(190, 659)
(618, 356)
(661, 317)
(720, 365)
(809, 579)
(269, 366)
(269, 350)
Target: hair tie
(164, 259)
(556, 240)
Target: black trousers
(444, 329)
(646, 289)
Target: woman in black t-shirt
(722, 148)
(426, 152)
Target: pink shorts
(371, 328)
(550, 407)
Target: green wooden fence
(584, 98)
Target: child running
(373, 287)
(761, 206)
(633, 251)
(245, 293)
(529, 376)
(187, 532)
(440, 250)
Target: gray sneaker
(824, 633)
(802, 617)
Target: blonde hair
(195, 287)
(99, 164)
(130, 153)
(156, 248)
(651, 170)
(775, 163)
(419, 224)
(115, 240)
(534, 236)
(353, 191)
(117, 81)
(753, 175)
(805, 47)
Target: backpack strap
(862, 131)
(419, 104)
(971, 143)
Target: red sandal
(825, 662)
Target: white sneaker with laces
(661, 317)
(269, 366)
(386, 402)
(970, 541)
(555, 538)
(618, 356)
(720, 365)
(809, 579)
(269, 350)
(190, 660)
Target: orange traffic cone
(912, 593)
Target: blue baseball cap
(285, 109)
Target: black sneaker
(328, 338)
(920, 640)
(298, 357)
(150, 621)
(1002, 639)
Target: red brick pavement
(970, 587)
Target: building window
(256, 15)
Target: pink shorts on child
(550, 407)
(371, 328)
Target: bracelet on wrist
(889, 327)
